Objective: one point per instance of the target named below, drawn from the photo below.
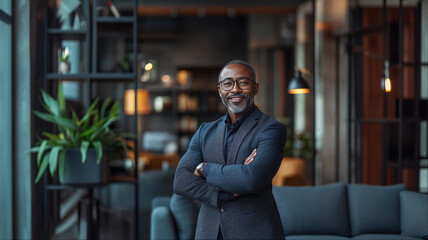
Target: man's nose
(236, 88)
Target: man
(230, 163)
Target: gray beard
(238, 108)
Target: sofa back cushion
(313, 210)
(374, 209)
(414, 214)
(185, 213)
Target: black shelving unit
(356, 119)
(89, 41)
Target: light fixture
(148, 66)
(143, 102)
(298, 84)
(386, 81)
(165, 78)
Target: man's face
(237, 100)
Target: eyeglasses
(229, 84)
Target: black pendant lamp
(298, 84)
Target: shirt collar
(241, 119)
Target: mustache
(237, 95)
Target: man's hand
(198, 170)
(250, 158)
(248, 161)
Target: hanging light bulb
(386, 81)
(298, 84)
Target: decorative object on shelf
(184, 77)
(64, 64)
(66, 7)
(113, 9)
(92, 131)
(298, 84)
(79, 22)
(386, 82)
(162, 103)
(187, 103)
(143, 102)
(166, 80)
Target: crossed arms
(250, 177)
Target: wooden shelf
(75, 76)
(113, 76)
(123, 179)
(67, 34)
(96, 76)
(115, 20)
(68, 31)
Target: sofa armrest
(162, 224)
(161, 202)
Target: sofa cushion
(414, 214)
(313, 210)
(383, 237)
(316, 237)
(374, 209)
(185, 212)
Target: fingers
(250, 158)
(197, 173)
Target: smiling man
(230, 163)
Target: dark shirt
(228, 139)
(232, 129)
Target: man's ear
(219, 90)
(256, 89)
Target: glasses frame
(234, 82)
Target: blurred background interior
(363, 120)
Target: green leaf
(60, 98)
(104, 107)
(42, 168)
(84, 150)
(99, 149)
(61, 165)
(75, 119)
(53, 159)
(41, 151)
(51, 136)
(114, 110)
(58, 120)
(52, 105)
(90, 111)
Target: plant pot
(89, 173)
(64, 67)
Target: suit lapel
(243, 131)
(219, 141)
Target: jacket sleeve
(188, 184)
(252, 178)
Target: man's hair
(240, 62)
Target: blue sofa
(329, 212)
(119, 197)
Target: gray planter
(89, 173)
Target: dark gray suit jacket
(254, 214)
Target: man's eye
(227, 84)
(244, 83)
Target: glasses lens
(227, 85)
(244, 84)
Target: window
(6, 119)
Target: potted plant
(64, 64)
(80, 144)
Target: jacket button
(222, 210)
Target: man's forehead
(235, 70)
